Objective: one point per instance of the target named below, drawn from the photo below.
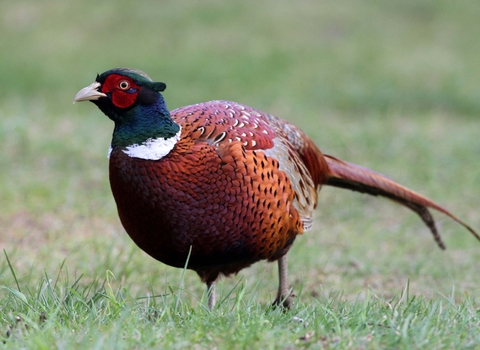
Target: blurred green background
(392, 85)
(350, 56)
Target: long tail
(357, 178)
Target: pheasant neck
(146, 131)
(151, 149)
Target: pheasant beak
(89, 93)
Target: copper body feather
(216, 192)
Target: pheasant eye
(124, 85)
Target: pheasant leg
(284, 296)
(211, 295)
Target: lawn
(392, 86)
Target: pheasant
(218, 186)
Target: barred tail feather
(356, 178)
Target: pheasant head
(133, 101)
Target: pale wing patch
(152, 149)
(292, 165)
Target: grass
(392, 86)
(100, 316)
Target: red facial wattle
(122, 89)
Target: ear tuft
(159, 86)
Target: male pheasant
(220, 184)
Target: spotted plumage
(218, 183)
